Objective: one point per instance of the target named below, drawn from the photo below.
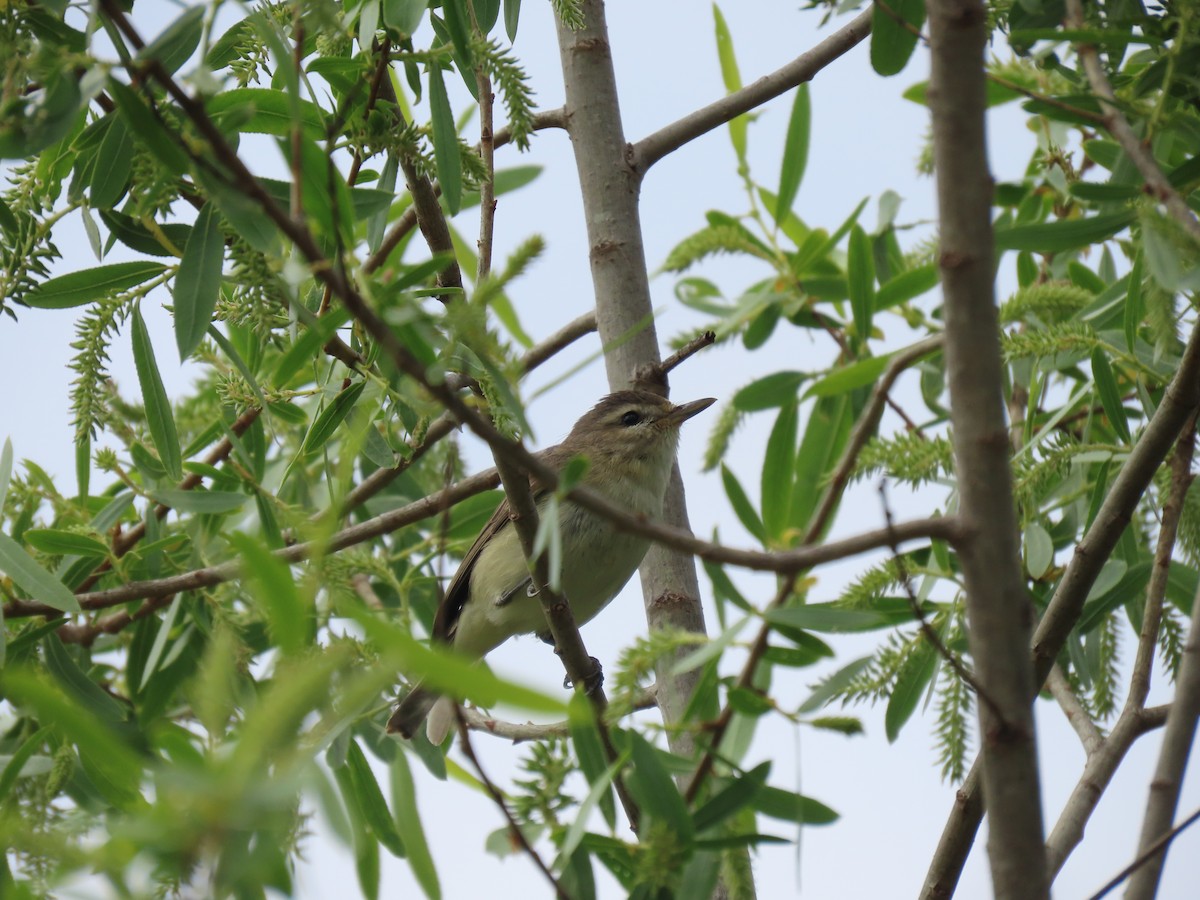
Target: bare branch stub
(653, 376)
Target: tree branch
(998, 608)
(1179, 401)
(464, 736)
(1173, 756)
(1118, 126)
(650, 149)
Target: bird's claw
(592, 682)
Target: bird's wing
(459, 589)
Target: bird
(629, 439)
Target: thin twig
(1118, 126)
(553, 118)
(464, 737)
(1078, 718)
(1146, 856)
(927, 630)
(654, 376)
(519, 732)
(650, 149)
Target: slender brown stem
(464, 736)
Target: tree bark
(999, 611)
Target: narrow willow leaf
(30, 577)
(408, 825)
(741, 504)
(159, 416)
(262, 111)
(64, 543)
(178, 41)
(6, 458)
(445, 141)
(160, 642)
(733, 81)
(331, 417)
(860, 276)
(906, 286)
(736, 794)
(655, 790)
(371, 802)
(848, 378)
(146, 127)
(795, 153)
(779, 466)
(1066, 234)
(911, 682)
(770, 391)
(114, 162)
(201, 502)
(78, 288)
(289, 621)
(1135, 307)
(1110, 394)
(198, 281)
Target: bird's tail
(413, 709)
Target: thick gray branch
(998, 608)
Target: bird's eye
(631, 418)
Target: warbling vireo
(629, 439)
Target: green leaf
(370, 801)
(779, 466)
(150, 666)
(770, 391)
(1110, 394)
(585, 739)
(303, 350)
(404, 15)
(834, 685)
(741, 504)
(159, 416)
(911, 682)
(830, 618)
(289, 618)
(178, 41)
(512, 14)
(114, 162)
(734, 795)
(655, 790)
(16, 763)
(733, 81)
(790, 807)
(170, 240)
(892, 41)
(795, 153)
(1135, 307)
(331, 417)
(263, 111)
(110, 762)
(408, 825)
(445, 141)
(848, 378)
(64, 543)
(1066, 234)
(445, 670)
(30, 577)
(78, 288)
(6, 459)
(201, 502)
(827, 431)
(906, 286)
(147, 128)
(77, 684)
(860, 276)
(1039, 549)
(198, 282)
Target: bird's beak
(685, 411)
